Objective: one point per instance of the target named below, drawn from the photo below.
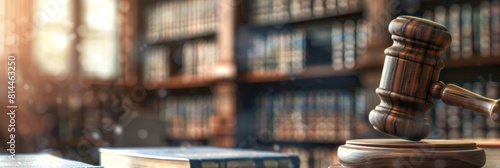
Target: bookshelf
(332, 47)
(305, 57)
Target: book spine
(479, 120)
(298, 61)
(441, 120)
(495, 27)
(305, 8)
(484, 28)
(331, 7)
(298, 116)
(442, 18)
(454, 27)
(312, 116)
(179, 19)
(337, 46)
(454, 122)
(342, 6)
(492, 91)
(330, 117)
(318, 8)
(466, 35)
(361, 37)
(360, 113)
(349, 44)
(347, 115)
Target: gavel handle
(456, 96)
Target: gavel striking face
(409, 81)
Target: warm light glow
(100, 14)
(99, 47)
(52, 36)
(52, 11)
(99, 58)
(52, 52)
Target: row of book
(187, 117)
(475, 29)
(454, 123)
(167, 20)
(199, 58)
(278, 52)
(312, 116)
(349, 39)
(157, 64)
(318, 157)
(273, 11)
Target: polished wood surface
(456, 96)
(399, 152)
(412, 63)
(409, 81)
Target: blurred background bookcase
(295, 76)
(306, 71)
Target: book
(466, 27)
(454, 28)
(169, 20)
(441, 17)
(193, 157)
(492, 91)
(41, 160)
(337, 45)
(495, 27)
(349, 44)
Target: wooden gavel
(409, 81)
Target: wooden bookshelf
(186, 38)
(179, 81)
(475, 61)
(312, 20)
(316, 71)
(232, 100)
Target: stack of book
(475, 29)
(349, 39)
(267, 11)
(278, 52)
(167, 20)
(187, 117)
(454, 123)
(313, 116)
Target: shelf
(181, 39)
(309, 72)
(97, 82)
(312, 20)
(186, 141)
(475, 61)
(177, 82)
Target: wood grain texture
(412, 63)
(404, 153)
(409, 81)
(456, 96)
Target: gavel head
(411, 64)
